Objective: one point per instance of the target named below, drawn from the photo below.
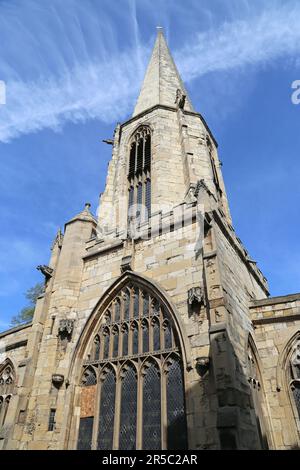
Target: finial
(159, 29)
(87, 206)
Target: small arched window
(139, 396)
(139, 176)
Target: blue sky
(73, 70)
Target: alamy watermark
(296, 94)
(2, 92)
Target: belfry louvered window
(132, 393)
(139, 176)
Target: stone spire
(162, 80)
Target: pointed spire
(162, 80)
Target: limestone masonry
(158, 299)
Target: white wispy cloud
(106, 88)
(260, 39)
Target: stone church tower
(156, 329)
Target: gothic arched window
(139, 175)
(134, 394)
(7, 383)
(294, 375)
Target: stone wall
(277, 326)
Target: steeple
(162, 79)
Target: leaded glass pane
(85, 433)
(89, 377)
(117, 311)
(176, 430)
(151, 409)
(156, 336)
(126, 305)
(168, 335)
(127, 438)
(146, 305)
(135, 339)
(155, 307)
(125, 342)
(116, 343)
(106, 345)
(107, 412)
(97, 348)
(136, 303)
(145, 337)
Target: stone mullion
(164, 414)
(139, 423)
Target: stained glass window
(144, 338)
(128, 413)
(151, 409)
(107, 411)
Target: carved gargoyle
(65, 327)
(196, 295)
(45, 270)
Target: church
(155, 329)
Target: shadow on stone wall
(226, 414)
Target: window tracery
(7, 383)
(138, 378)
